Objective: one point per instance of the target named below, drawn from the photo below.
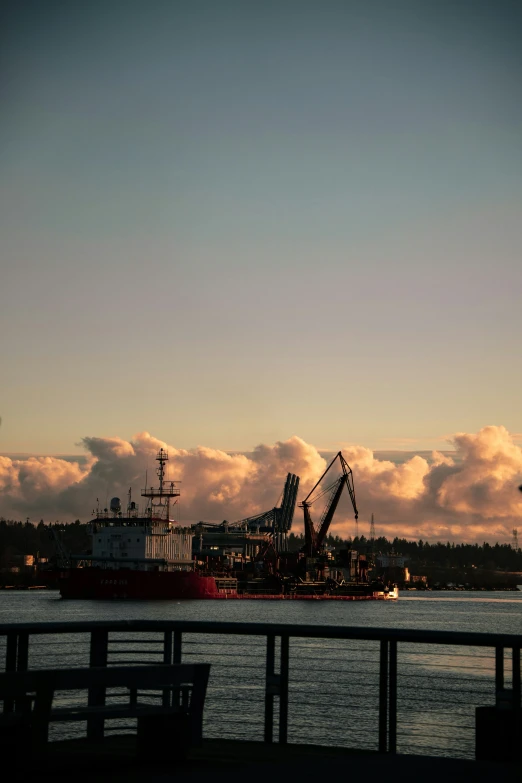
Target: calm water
(333, 683)
(449, 611)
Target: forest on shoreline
(18, 539)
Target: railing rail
(466, 638)
(391, 680)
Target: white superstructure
(139, 543)
(147, 542)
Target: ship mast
(160, 497)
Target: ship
(147, 555)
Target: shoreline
(509, 589)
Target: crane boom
(349, 484)
(62, 555)
(330, 510)
(310, 535)
(314, 539)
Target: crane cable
(325, 491)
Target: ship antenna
(164, 493)
(162, 458)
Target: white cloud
(471, 497)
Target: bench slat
(111, 711)
(158, 675)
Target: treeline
(421, 553)
(44, 539)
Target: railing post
(10, 664)
(177, 647)
(167, 647)
(172, 652)
(10, 653)
(499, 668)
(383, 697)
(167, 658)
(516, 692)
(271, 688)
(97, 657)
(516, 677)
(22, 654)
(283, 689)
(392, 704)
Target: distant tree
(25, 538)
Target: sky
(236, 223)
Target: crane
(314, 539)
(62, 555)
(278, 519)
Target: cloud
(491, 465)
(471, 496)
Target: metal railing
(365, 688)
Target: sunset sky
(231, 223)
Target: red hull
(94, 583)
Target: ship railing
(395, 691)
(167, 491)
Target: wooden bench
(28, 698)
